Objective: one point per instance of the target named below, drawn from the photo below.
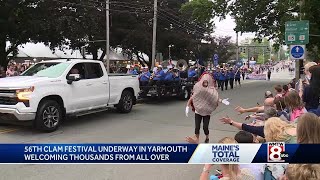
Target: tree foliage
(23, 21)
(265, 18)
(80, 23)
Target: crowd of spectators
(290, 114)
(13, 69)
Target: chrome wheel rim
(51, 117)
(127, 102)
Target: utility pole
(248, 57)
(299, 62)
(169, 52)
(270, 50)
(237, 46)
(263, 57)
(108, 35)
(154, 39)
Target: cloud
(226, 28)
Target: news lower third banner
(276, 152)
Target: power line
(194, 29)
(188, 31)
(95, 7)
(143, 8)
(186, 21)
(130, 7)
(178, 26)
(126, 11)
(134, 3)
(174, 14)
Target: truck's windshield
(50, 70)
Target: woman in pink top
(294, 102)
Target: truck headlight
(24, 94)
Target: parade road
(150, 122)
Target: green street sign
(297, 32)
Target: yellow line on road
(4, 131)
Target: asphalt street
(161, 121)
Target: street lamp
(170, 46)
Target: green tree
(267, 18)
(23, 21)
(133, 31)
(82, 22)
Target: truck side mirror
(73, 77)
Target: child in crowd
(295, 105)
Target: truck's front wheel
(49, 116)
(126, 102)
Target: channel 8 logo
(276, 152)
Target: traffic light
(244, 50)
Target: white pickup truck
(49, 91)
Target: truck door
(79, 91)
(98, 83)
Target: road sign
(215, 59)
(297, 51)
(297, 32)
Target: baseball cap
(268, 94)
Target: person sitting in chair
(145, 76)
(159, 76)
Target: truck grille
(7, 91)
(8, 100)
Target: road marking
(4, 131)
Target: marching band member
(158, 76)
(145, 76)
(222, 79)
(132, 71)
(192, 74)
(231, 77)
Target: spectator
(2, 72)
(267, 103)
(245, 137)
(295, 105)
(276, 130)
(303, 82)
(268, 94)
(278, 90)
(22, 69)
(283, 112)
(10, 71)
(308, 129)
(307, 72)
(311, 92)
(302, 172)
(285, 90)
(229, 171)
